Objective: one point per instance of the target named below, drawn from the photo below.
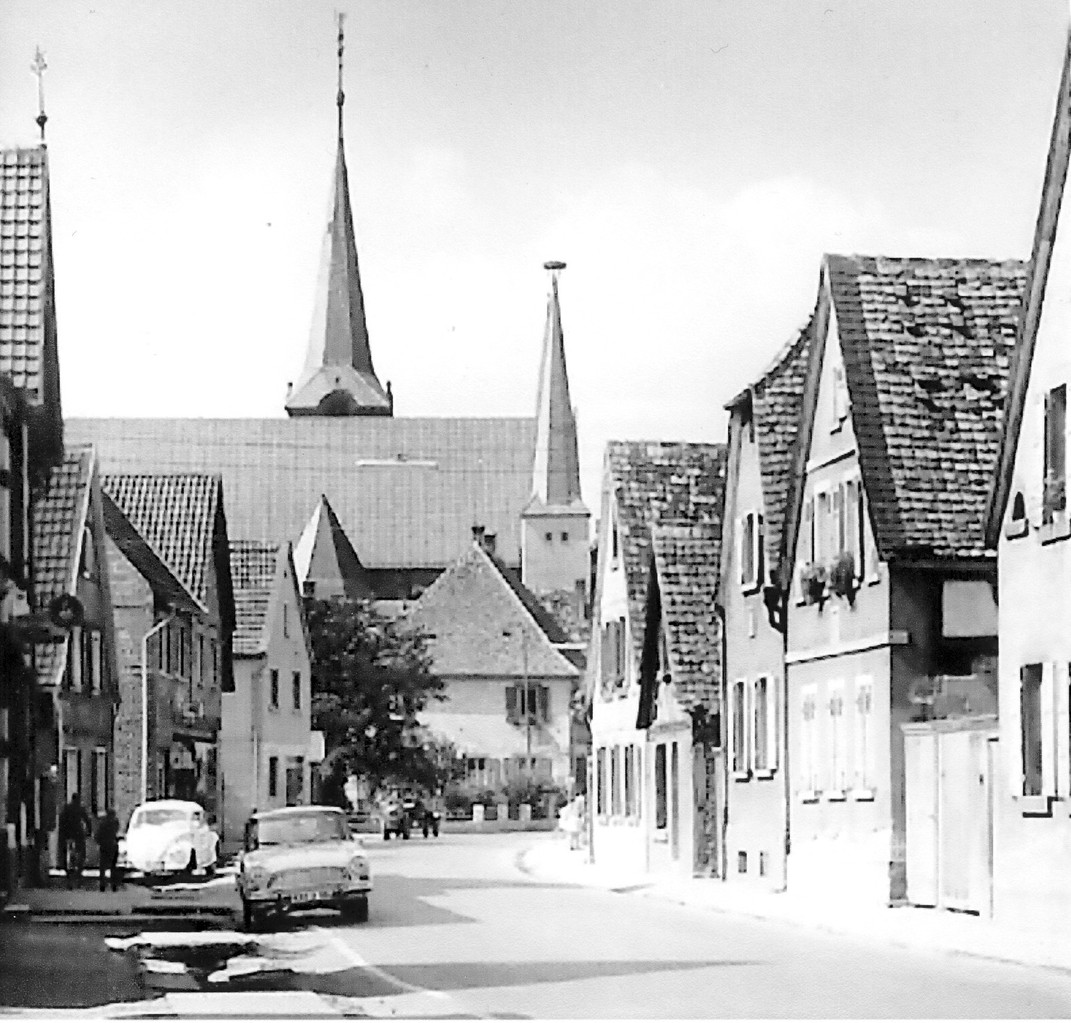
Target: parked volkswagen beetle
(302, 857)
(168, 836)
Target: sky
(690, 160)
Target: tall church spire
(556, 466)
(339, 378)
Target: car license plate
(308, 896)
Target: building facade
(266, 739)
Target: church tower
(339, 379)
(554, 524)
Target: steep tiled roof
(686, 560)
(324, 554)
(927, 345)
(666, 483)
(406, 491)
(487, 623)
(1052, 192)
(176, 515)
(252, 575)
(59, 519)
(777, 401)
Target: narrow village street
(458, 929)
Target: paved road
(458, 930)
(456, 916)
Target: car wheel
(355, 911)
(405, 834)
(250, 917)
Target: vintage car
(302, 857)
(168, 836)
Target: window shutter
(1048, 731)
(513, 713)
(543, 703)
(741, 529)
(1062, 739)
(760, 550)
(773, 719)
(1024, 742)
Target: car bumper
(306, 899)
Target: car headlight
(357, 869)
(257, 877)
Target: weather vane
(341, 97)
(38, 68)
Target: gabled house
(31, 446)
(510, 672)
(79, 672)
(266, 739)
(763, 432)
(169, 559)
(1028, 524)
(641, 790)
(890, 612)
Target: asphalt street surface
(458, 930)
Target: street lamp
(145, 703)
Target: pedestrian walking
(74, 825)
(108, 844)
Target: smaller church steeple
(554, 525)
(339, 378)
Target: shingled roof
(682, 596)
(176, 515)
(486, 623)
(663, 483)
(252, 576)
(59, 522)
(1052, 191)
(28, 348)
(406, 491)
(927, 345)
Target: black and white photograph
(535, 509)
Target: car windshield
(302, 828)
(158, 815)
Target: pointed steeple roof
(339, 378)
(556, 466)
(325, 557)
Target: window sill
(750, 587)
(741, 775)
(1058, 529)
(1035, 806)
(836, 796)
(863, 795)
(764, 773)
(810, 796)
(661, 835)
(1015, 528)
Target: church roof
(339, 378)
(556, 466)
(324, 553)
(406, 491)
(486, 622)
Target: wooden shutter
(760, 549)
(513, 712)
(1062, 738)
(1048, 731)
(543, 703)
(773, 720)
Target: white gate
(949, 821)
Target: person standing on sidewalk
(74, 825)
(108, 844)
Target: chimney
(489, 542)
(477, 534)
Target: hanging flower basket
(842, 576)
(813, 579)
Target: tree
(371, 679)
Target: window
(565, 537)
(72, 772)
(838, 745)
(273, 699)
(809, 740)
(630, 781)
(286, 621)
(615, 781)
(738, 713)
(661, 816)
(273, 776)
(89, 555)
(749, 550)
(527, 704)
(841, 400)
(765, 724)
(308, 588)
(600, 780)
(1055, 479)
(548, 537)
(95, 676)
(839, 528)
(215, 662)
(863, 773)
(855, 534)
(100, 780)
(296, 682)
(637, 774)
(182, 665)
(822, 540)
(614, 548)
(1030, 724)
(74, 660)
(613, 651)
(804, 546)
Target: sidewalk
(911, 927)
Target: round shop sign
(66, 611)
